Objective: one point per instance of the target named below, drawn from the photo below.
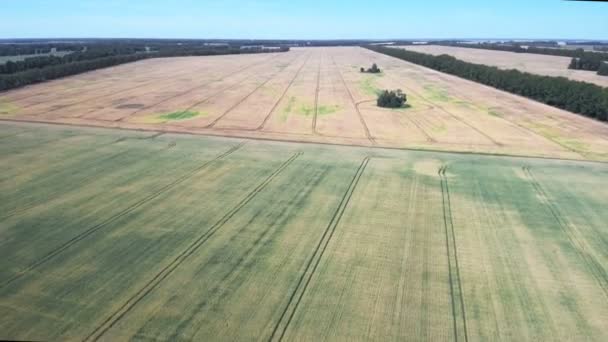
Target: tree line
(44, 68)
(581, 59)
(578, 97)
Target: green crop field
(115, 235)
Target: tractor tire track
(276, 104)
(104, 72)
(180, 258)
(429, 138)
(455, 279)
(226, 112)
(441, 108)
(115, 217)
(290, 309)
(249, 66)
(122, 91)
(578, 243)
(352, 99)
(316, 114)
(220, 291)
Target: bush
(392, 99)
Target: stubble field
(115, 235)
(533, 63)
(310, 95)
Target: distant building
(420, 43)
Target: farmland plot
(527, 62)
(310, 95)
(112, 235)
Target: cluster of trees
(392, 99)
(373, 70)
(579, 97)
(101, 55)
(591, 62)
(581, 59)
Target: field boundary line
(316, 113)
(230, 74)
(220, 134)
(315, 259)
(579, 244)
(352, 99)
(231, 108)
(453, 266)
(115, 217)
(174, 264)
(276, 104)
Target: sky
(303, 19)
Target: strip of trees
(581, 59)
(39, 69)
(578, 97)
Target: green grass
(495, 113)
(7, 108)
(368, 84)
(174, 116)
(293, 106)
(179, 115)
(438, 94)
(178, 237)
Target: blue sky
(303, 19)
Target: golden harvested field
(310, 95)
(528, 62)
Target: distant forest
(578, 97)
(581, 59)
(96, 54)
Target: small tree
(362, 69)
(392, 99)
